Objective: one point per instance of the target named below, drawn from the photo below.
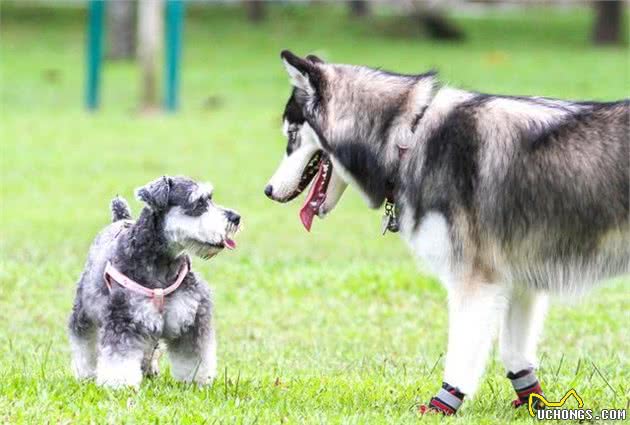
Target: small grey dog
(137, 288)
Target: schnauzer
(138, 287)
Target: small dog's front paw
(194, 370)
(118, 373)
(83, 374)
(202, 381)
(83, 370)
(151, 363)
(152, 371)
(117, 382)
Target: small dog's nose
(269, 190)
(233, 217)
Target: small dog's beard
(204, 250)
(232, 229)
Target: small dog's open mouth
(317, 195)
(229, 243)
(207, 250)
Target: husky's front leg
(475, 308)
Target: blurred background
(98, 98)
(226, 88)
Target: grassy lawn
(336, 326)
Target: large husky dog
(506, 198)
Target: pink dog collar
(112, 274)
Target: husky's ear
(156, 193)
(305, 74)
(314, 59)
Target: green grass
(337, 326)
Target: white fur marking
(203, 189)
(116, 371)
(209, 227)
(431, 243)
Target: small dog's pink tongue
(229, 243)
(314, 199)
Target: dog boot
(524, 383)
(446, 402)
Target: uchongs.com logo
(543, 409)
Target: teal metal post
(96, 11)
(174, 27)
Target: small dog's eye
(201, 202)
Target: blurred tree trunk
(608, 22)
(255, 10)
(359, 8)
(431, 17)
(150, 35)
(121, 32)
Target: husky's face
(310, 157)
(305, 161)
(191, 220)
(336, 123)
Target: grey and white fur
(507, 199)
(114, 335)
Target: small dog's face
(191, 219)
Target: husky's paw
(435, 407)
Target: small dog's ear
(305, 74)
(156, 193)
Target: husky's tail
(120, 209)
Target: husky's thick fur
(114, 331)
(506, 198)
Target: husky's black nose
(233, 217)
(269, 191)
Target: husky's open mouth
(307, 176)
(319, 168)
(318, 171)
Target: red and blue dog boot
(446, 402)
(525, 383)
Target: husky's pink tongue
(229, 243)
(314, 199)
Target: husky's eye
(292, 134)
